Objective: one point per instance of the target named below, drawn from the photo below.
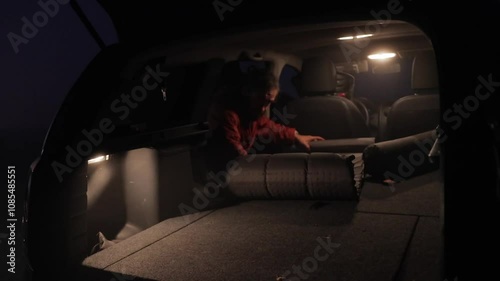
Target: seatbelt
(435, 150)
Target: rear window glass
(288, 88)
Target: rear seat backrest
(424, 74)
(417, 113)
(318, 111)
(412, 115)
(345, 84)
(329, 117)
(345, 88)
(318, 77)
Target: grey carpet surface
(392, 233)
(421, 196)
(140, 240)
(423, 259)
(262, 240)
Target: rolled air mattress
(401, 158)
(319, 175)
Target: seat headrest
(345, 84)
(424, 72)
(318, 76)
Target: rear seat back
(318, 111)
(412, 115)
(329, 117)
(345, 84)
(345, 88)
(419, 112)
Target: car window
(288, 88)
(288, 91)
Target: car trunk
(391, 233)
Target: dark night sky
(36, 79)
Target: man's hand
(304, 140)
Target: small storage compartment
(135, 190)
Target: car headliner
(152, 23)
(292, 42)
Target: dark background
(34, 83)
(36, 79)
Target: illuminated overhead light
(360, 36)
(363, 36)
(346, 38)
(381, 56)
(98, 159)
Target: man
(239, 119)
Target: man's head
(260, 91)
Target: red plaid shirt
(233, 137)
(242, 137)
